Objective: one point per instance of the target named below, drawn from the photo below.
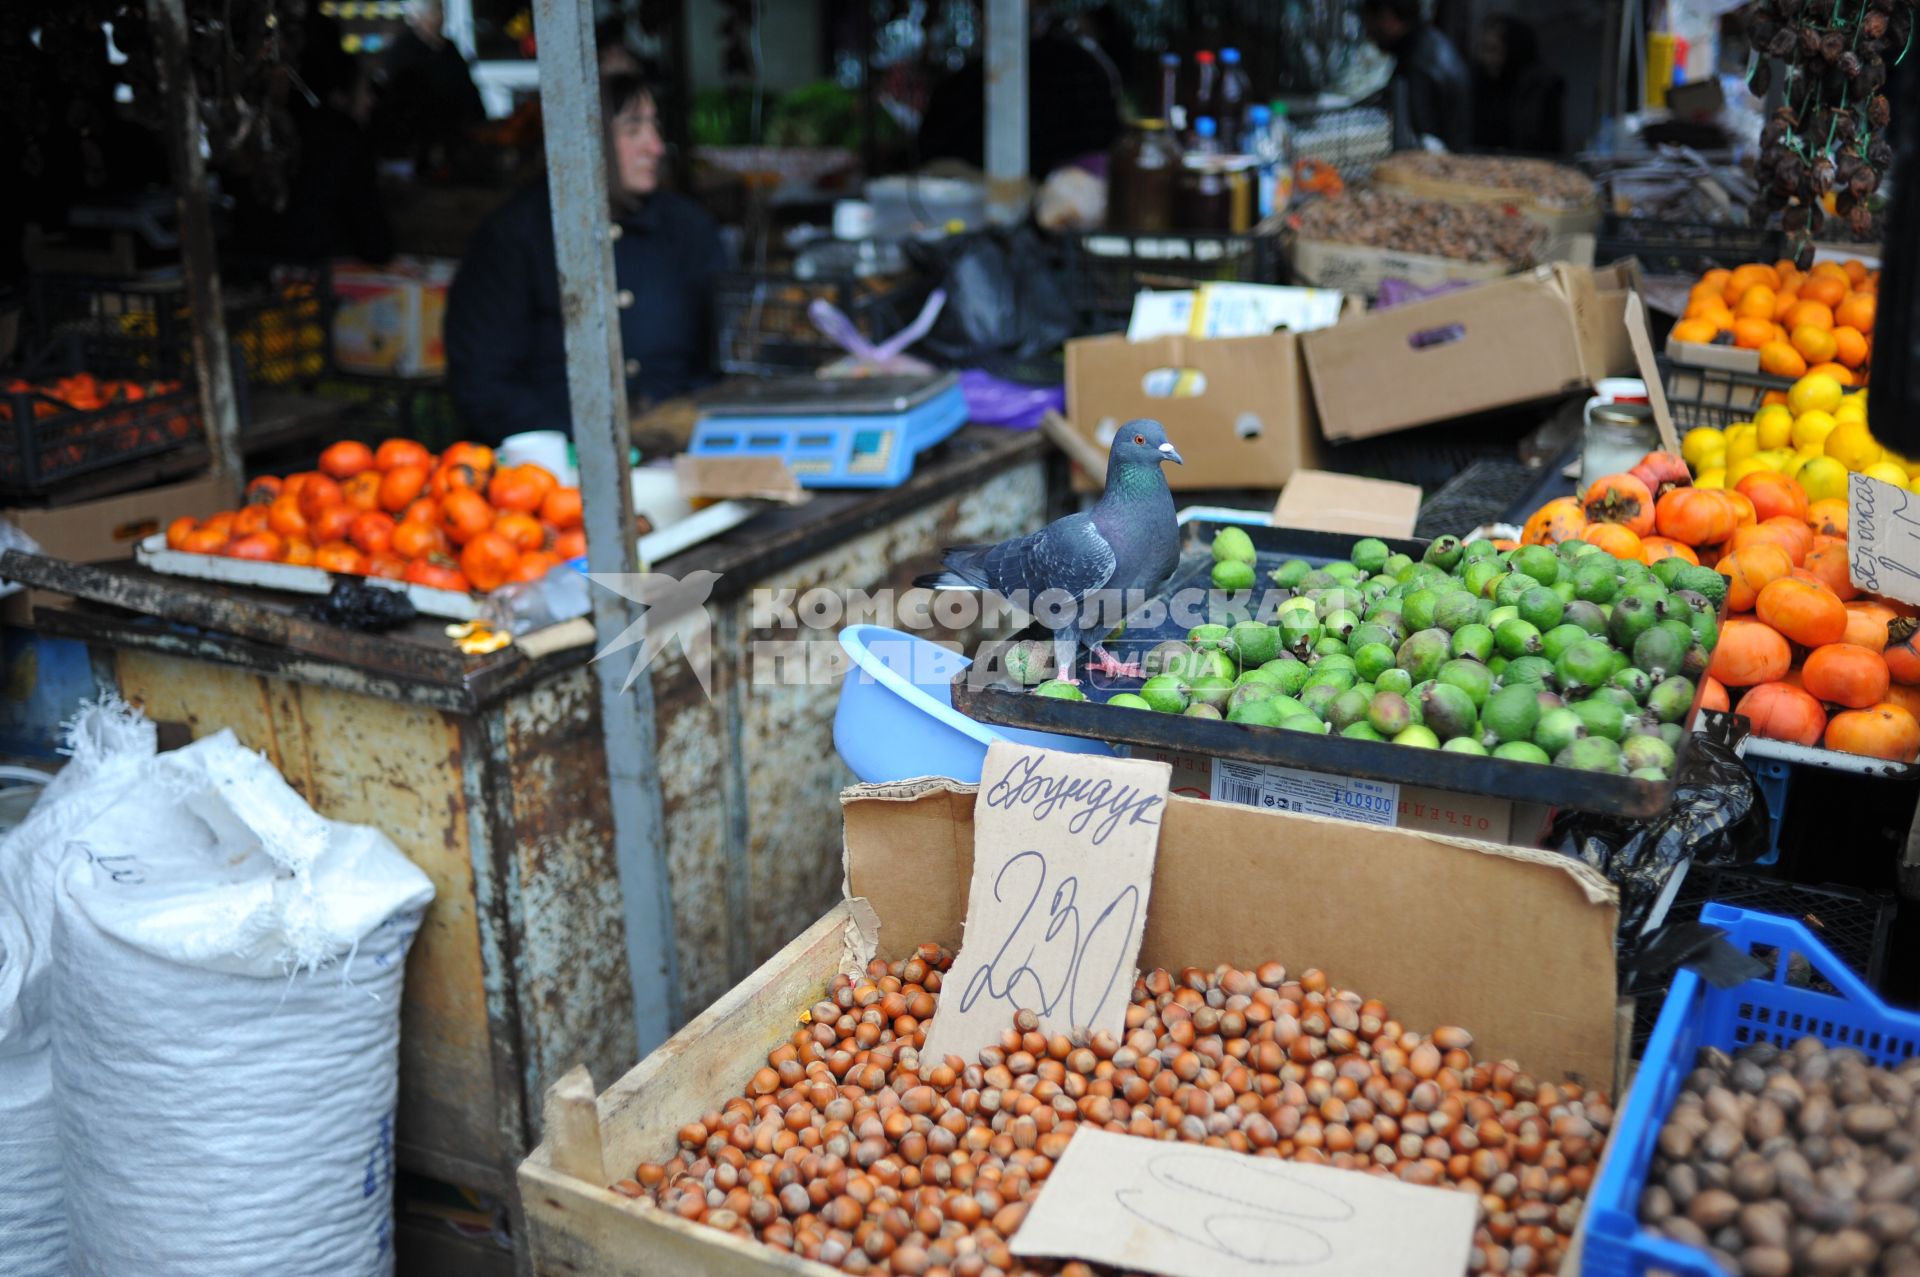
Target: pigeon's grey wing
(1069, 555)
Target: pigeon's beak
(1166, 450)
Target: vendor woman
(506, 360)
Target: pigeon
(1129, 542)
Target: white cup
(852, 219)
(656, 494)
(545, 448)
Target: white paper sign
(1371, 802)
(1883, 538)
(1063, 850)
(1187, 1210)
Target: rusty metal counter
(490, 772)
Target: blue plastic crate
(1696, 1015)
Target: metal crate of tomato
(54, 430)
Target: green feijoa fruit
(1520, 751)
(1373, 660)
(1171, 657)
(1517, 638)
(1634, 572)
(1211, 689)
(1166, 693)
(1532, 671)
(1618, 696)
(1031, 662)
(1444, 552)
(1706, 629)
(1329, 646)
(1056, 690)
(1602, 717)
(1248, 693)
(1574, 548)
(1336, 678)
(1471, 677)
(1304, 723)
(1542, 607)
(1259, 674)
(1455, 610)
(1634, 683)
(1476, 550)
(1594, 754)
(1673, 734)
(1419, 737)
(1255, 643)
(1370, 632)
(1327, 602)
(1479, 574)
(1348, 708)
(1647, 752)
(1499, 616)
(1559, 639)
(1346, 572)
(1218, 664)
(1394, 680)
(1299, 631)
(1202, 711)
(1318, 698)
(1291, 675)
(1389, 619)
(1337, 662)
(1670, 699)
(1396, 564)
(1557, 729)
(1563, 590)
(1668, 569)
(1360, 731)
(1319, 579)
(1648, 773)
(1591, 617)
(1497, 666)
(1418, 608)
(1389, 713)
(1375, 589)
(1449, 711)
(1512, 712)
(1339, 623)
(1631, 618)
(1661, 653)
(1232, 575)
(1289, 574)
(1129, 700)
(1257, 713)
(1538, 562)
(1210, 637)
(1473, 642)
(1465, 745)
(1370, 554)
(1231, 544)
(1512, 588)
(1424, 653)
(1594, 580)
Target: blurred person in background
(1430, 94)
(428, 100)
(506, 353)
(1518, 100)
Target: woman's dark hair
(622, 90)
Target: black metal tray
(984, 692)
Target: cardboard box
(106, 529)
(1612, 284)
(1237, 408)
(1388, 912)
(1326, 502)
(1359, 268)
(1535, 336)
(389, 322)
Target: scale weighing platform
(853, 432)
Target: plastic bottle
(1258, 141)
(1280, 135)
(1206, 136)
(1171, 109)
(1206, 89)
(1234, 90)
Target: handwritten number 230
(1085, 972)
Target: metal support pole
(583, 234)
(1006, 108)
(206, 315)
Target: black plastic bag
(1005, 301)
(355, 605)
(1718, 819)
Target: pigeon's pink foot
(1070, 682)
(1104, 663)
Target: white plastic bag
(108, 745)
(226, 996)
(33, 1224)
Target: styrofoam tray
(153, 553)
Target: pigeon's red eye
(1139, 438)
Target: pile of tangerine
(458, 521)
(1817, 322)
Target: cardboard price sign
(1883, 538)
(1063, 856)
(1187, 1210)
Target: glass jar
(1617, 435)
(1203, 202)
(1141, 178)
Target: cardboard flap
(732, 478)
(1513, 944)
(1323, 501)
(1636, 321)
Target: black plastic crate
(1856, 925)
(1712, 397)
(1103, 270)
(1684, 248)
(1480, 494)
(762, 326)
(47, 441)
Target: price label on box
(1883, 538)
(1371, 802)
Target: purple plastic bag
(1398, 292)
(995, 401)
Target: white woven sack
(33, 1222)
(226, 998)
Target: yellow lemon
(1810, 429)
(1814, 392)
(1852, 445)
(1702, 442)
(1774, 426)
(1715, 478)
(1774, 458)
(1800, 458)
(1742, 441)
(1887, 472)
(1915, 485)
(1851, 410)
(1738, 470)
(1823, 477)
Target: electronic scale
(850, 432)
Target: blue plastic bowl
(896, 718)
